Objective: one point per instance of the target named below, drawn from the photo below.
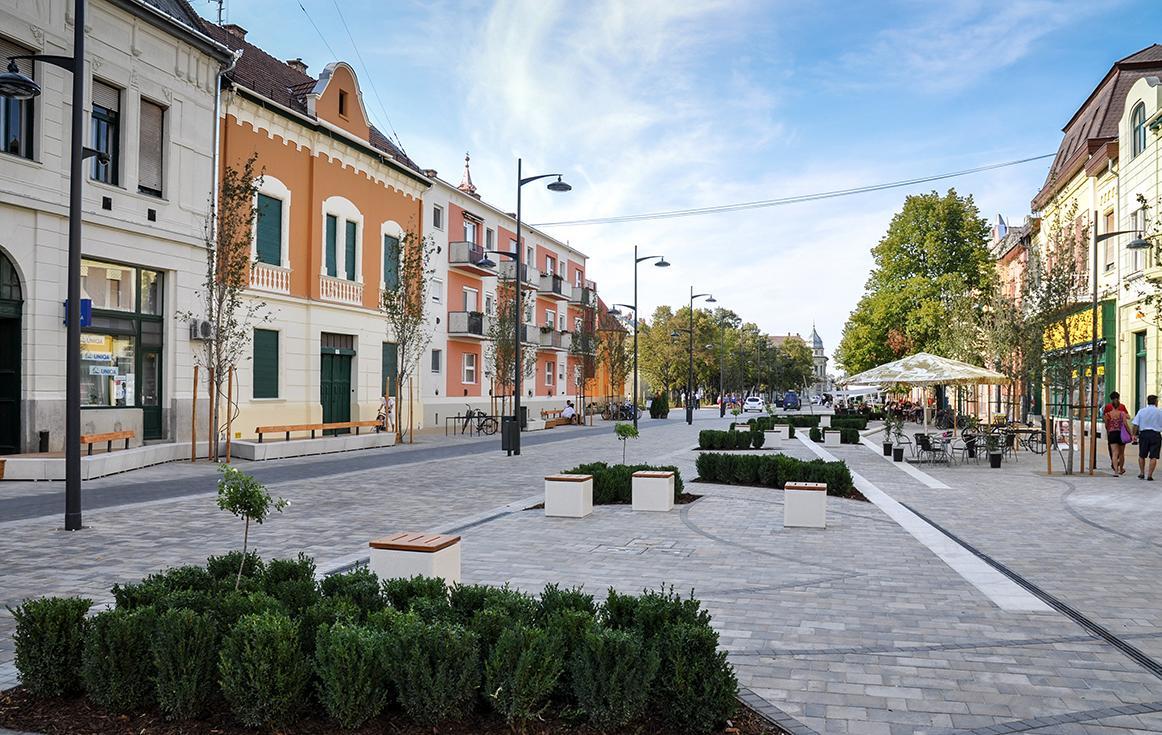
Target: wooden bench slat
(412, 541)
(821, 486)
(108, 436)
(653, 474)
(569, 478)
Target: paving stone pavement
(854, 629)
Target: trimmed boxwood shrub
(291, 582)
(522, 672)
(435, 670)
(263, 671)
(117, 665)
(360, 587)
(185, 659)
(858, 423)
(713, 439)
(613, 484)
(660, 406)
(554, 599)
(613, 671)
(568, 628)
(764, 423)
(49, 639)
(329, 611)
(352, 669)
(225, 568)
(401, 593)
(846, 436)
(695, 687)
(774, 471)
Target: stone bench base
(805, 505)
(653, 491)
(416, 554)
(569, 496)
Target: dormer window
(343, 102)
(1138, 130)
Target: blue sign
(86, 312)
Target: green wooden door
(150, 386)
(9, 379)
(335, 389)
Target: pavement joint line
(1132, 652)
(777, 587)
(906, 467)
(772, 713)
(1036, 723)
(1006, 593)
(967, 645)
(1079, 516)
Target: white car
(754, 403)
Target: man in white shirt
(569, 412)
(1148, 428)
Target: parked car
(779, 401)
(754, 403)
(791, 401)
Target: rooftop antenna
(220, 4)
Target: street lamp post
(558, 185)
(690, 370)
(1138, 243)
(662, 263)
(17, 86)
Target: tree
(248, 499)
(934, 253)
(403, 304)
(614, 352)
(659, 357)
(583, 348)
(227, 237)
(796, 364)
(625, 432)
(500, 350)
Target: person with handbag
(1117, 420)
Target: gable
(337, 99)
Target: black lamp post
(690, 371)
(15, 85)
(558, 185)
(662, 263)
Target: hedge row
(613, 484)
(354, 649)
(846, 436)
(764, 423)
(774, 470)
(712, 439)
(849, 422)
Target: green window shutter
(265, 363)
(269, 230)
(350, 251)
(390, 367)
(390, 262)
(331, 253)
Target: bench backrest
(107, 437)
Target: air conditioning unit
(201, 329)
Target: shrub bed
(712, 439)
(404, 655)
(613, 483)
(846, 436)
(849, 422)
(775, 471)
(764, 423)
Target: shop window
(110, 286)
(265, 363)
(108, 370)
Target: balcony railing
(467, 324)
(507, 269)
(266, 277)
(467, 255)
(555, 340)
(340, 290)
(553, 285)
(585, 295)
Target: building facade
(150, 77)
(821, 383)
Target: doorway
(335, 379)
(11, 303)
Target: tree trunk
(242, 565)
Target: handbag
(1126, 438)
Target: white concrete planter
(831, 438)
(569, 496)
(740, 427)
(776, 435)
(805, 505)
(825, 421)
(653, 491)
(535, 425)
(416, 554)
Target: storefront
(1069, 347)
(121, 347)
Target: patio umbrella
(923, 369)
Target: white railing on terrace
(266, 277)
(340, 290)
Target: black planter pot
(887, 449)
(898, 454)
(995, 460)
(972, 451)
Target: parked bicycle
(620, 412)
(484, 424)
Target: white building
(822, 383)
(150, 81)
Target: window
(489, 239)
(343, 102)
(437, 356)
(110, 286)
(437, 216)
(577, 324)
(265, 363)
(1108, 224)
(105, 131)
(268, 230)
(150, 293)
(150, 144)
(108, 370)
(331, 250)
(550, 318)
(512, 246)
(437, 291)
(549, 373)
(550, 265)
(577, 278)
(468, 372)
(530, 257)
(489, 308)
(16, 116)
(470, 299)
(390, 367)
(349, 250)
(1140, 385)
(561, 322)
(390, 262)
(1138, 130)
(469, 231)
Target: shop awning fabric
(924, 369)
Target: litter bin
(524, 418)
(508, 429)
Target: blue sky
(649, 105)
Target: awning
(924, 369)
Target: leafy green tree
(248, 499)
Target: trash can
(524, 418)
(508, 429)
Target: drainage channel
(1130, 651)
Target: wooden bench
(408, 554)
(357, 425)
(108, 438)
(547, 415)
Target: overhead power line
(321, 36)
(781, 201)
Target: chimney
(235, 30)
(430, 173)
(297, 65)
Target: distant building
(821, 384)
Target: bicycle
(485, 424)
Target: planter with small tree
(992, 443)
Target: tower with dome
(821, 384)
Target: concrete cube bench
(805, 505)
(535, 425)
(777, 434)
(408, 554)
(832, 437)
(569, 496)
(653, 490)
(825, 421)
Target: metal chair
(967, 447)
(924, 448)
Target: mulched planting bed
(20, 711)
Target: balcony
(340, 290)
(585, 295)
(467, 256)
(470, 324)
(554, 287)
(507, 269)
(272, 278)
(554, 340)
(585, 345)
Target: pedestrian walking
(1148, 427)
(1116, 417)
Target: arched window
(1138, 129)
